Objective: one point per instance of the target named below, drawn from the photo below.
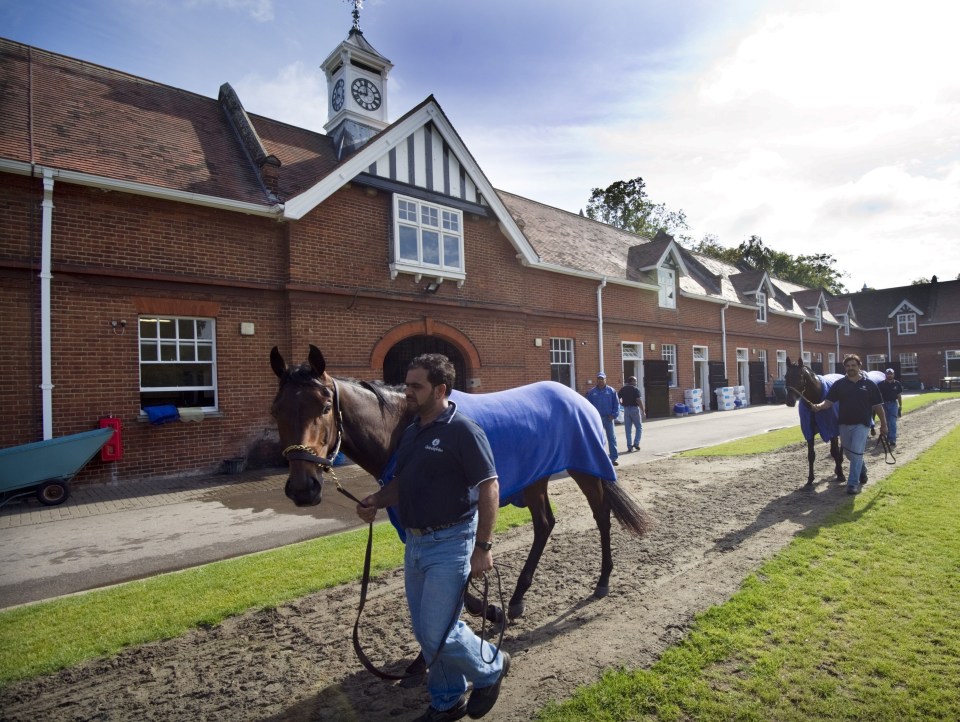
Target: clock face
(337, 98)
(365, 93)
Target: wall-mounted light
(433, 286)
(247, 329)
(121, 324)
(653, 346)
(538, 342)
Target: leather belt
(431, 529)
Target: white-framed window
(845, 322)
(178, 362)
(667, 280)
(427, 239)
(831, 363)
(818, 319)
(806, 358)
(876, 362)
(908, 363)
(906, 324)
(668, 352)
(762, 354)
(952, 362)
(781, 364)
(561, 361)
(761, 307)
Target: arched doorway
(399, 357)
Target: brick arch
(425, 327)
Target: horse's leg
(811, 457)
(592, 488)
(537, 501)
(837, 453)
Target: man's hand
(481, 562)
(367, 509)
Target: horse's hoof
(601, 592)
(494, 614)
(515, 611)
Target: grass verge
(781, 438)
(855, 620)
(47, 636)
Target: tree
(813, 271)
(625, 205)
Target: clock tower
(356, 91)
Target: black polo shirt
(856, 400)
(629, 395)
(439, 467)
(890, 390)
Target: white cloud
(296, 95)
(259, 10)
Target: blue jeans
(854, 440)
(631, 419)
(891, 409)
(611, 436)
(436, 567)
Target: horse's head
(800, 382)
(304, 409)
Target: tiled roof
(71, 115)
(937, 302)
(570, 240)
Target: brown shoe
(483, 699)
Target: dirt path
(716, 521)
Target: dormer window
(845, 322)
(818, 319)
(427, 239)
(906, 324)
(667, 279)
(761, 307)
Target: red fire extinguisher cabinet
(113, 449)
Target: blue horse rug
(534, 431)
(827, 421)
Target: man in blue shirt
(891, 391)
(447, 496)
(605, 400)
(859, 399)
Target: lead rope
(883, 441)
(364, 585)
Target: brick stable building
(155, 244)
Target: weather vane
(357, 7)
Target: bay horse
(317, 415)
(803, 384)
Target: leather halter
(299, 452)
(803, 387)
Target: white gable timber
(423, 150)
(905, 307)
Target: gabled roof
(749, 283)
(934, 303)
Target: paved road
(107, 534)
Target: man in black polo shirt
(447, 496)
(633, 412)
(859, 399)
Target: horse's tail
(625, 510)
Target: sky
(821, 127)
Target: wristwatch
(486, 546)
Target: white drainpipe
(723, 338)
(889, 347)
(46, 236)
(830, 371)
(802, 321)
(603, 283)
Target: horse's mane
(387, 396)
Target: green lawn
(47, 636)
(855, 620)
(780, 438)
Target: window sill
(142, 418)
(420, 272)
